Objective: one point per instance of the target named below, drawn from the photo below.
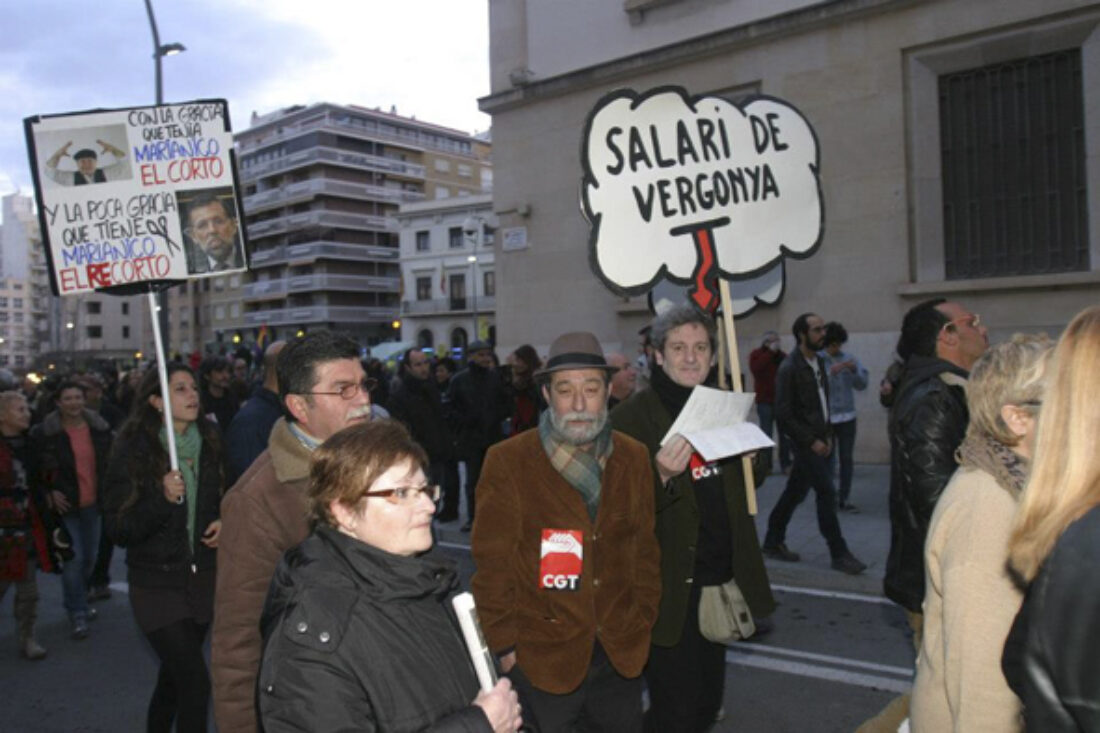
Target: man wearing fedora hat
(568, 569)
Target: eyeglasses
(350, 391)
(973, 320)
(407, 494)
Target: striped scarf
(582, 469)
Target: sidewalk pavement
(867, 534)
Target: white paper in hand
(714, 422)
(475, 641)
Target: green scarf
(188, 449)
(581, 468)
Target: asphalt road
(838, 652)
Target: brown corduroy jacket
(263, 516)
(553, 632)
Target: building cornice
(727, 40)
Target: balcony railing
(319, 314)
(306, 219)
(250, 171)
(485, 303)
(265, 289)
(304, 190)
(307, 252)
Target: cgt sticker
(561, 560)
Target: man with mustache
(568, 573)
(323, 389)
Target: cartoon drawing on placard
(85, 156)
(691, 189)
(208, 219)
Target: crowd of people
(290, 509)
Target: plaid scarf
(583, 469)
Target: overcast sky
(430, 58)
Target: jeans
(766, 414)
(845, 433)
(84, 527)
(809, 470)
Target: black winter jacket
(154, 530)
(1052, 656)
(927, 423)
(356, 638)
(53, 459)
(478, 406)
(416, 403)
(797, 404)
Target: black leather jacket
(1052, 656)
(797, 404)
(927, 423)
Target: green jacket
(643, 417)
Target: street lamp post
(474, 229)
(159, 52)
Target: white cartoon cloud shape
(665, 161)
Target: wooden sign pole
(730, 334)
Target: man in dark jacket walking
(927, 423)
(416, 402)
(478, 407)
(802, 408)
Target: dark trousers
(686, 682)
(605, 701)
(101, 576)
(766, 414)
(845, 433)
(809, 470)
(473, 474)
(182, 693)
(452, 489)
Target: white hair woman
(358, 634)
(1052, 657)
(970, 598)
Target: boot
(31, 649)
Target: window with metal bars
(1013, 160)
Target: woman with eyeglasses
(169, 522)
(358, 630)
(970, 599)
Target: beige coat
(263, 516)
(969, 605)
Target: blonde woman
(970, 598)
(1052, 658)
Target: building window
(423, 241)
(456, 285)
(125, 332)
(16, 302)
(3, 359)
(442, 192)
(125, 309)
(1013, 151)
(93, 307)
(424, 288)
(489, 284)
(18, 316)
(94, 332)
(464, 170)
(20, 360)
(454, 238)
(425, 339)
(443, 166)
(3, 302)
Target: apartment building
(449, 274)
(321, 187)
